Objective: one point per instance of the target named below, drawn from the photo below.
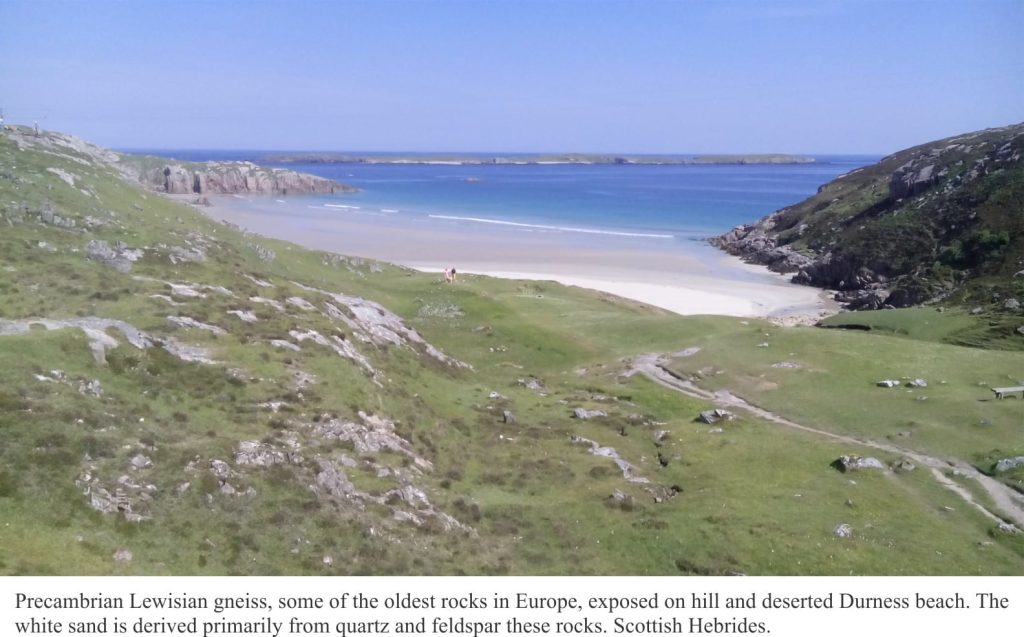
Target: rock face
(234, 177)
(918, 226)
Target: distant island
(527, 159)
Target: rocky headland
(177, 177)
(227, 178)
(937, 222)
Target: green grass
(755, 498)
(946, 325)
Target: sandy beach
(687, 278)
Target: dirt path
(1009, 503)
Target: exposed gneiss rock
(629, 472)
(227, 177)
(374, 323)
(95, 330)
(119, 256)
(174, 177)
(920, 225)
(587, 414)
(1008, 464)
(855, 463)
(714, 416)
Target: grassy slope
(755, 498)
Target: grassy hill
(178, 396)
(941, 222)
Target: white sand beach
(686, 278)
(682, 293)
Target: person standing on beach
(447, 275)
(453, 274)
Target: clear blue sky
(842, 76)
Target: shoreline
(688, 282)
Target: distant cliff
(941, 221)
(224, 177)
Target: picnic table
(1002, 392)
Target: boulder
(120, 256)
(621, 500)
(1012, 305)
(713, 416)
(532, 383)
(888, 383)
(918, 382)
(141, 462)
(220, 469)
(587, 414)
(854, 463)
(122, 555)
(508, 417)
(843, 531)
(1008, 464)
(90, 388)
(904, 466)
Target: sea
(661, 206)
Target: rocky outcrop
(119, 256)
(912, 179)
(856, 463)
(918, 226)
(174, 177)
(1008, 464)
(96, 331)
(234, 177)
(757, 243)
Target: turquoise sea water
(660, 205)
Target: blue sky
(828, 76)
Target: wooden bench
(1001, 392)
